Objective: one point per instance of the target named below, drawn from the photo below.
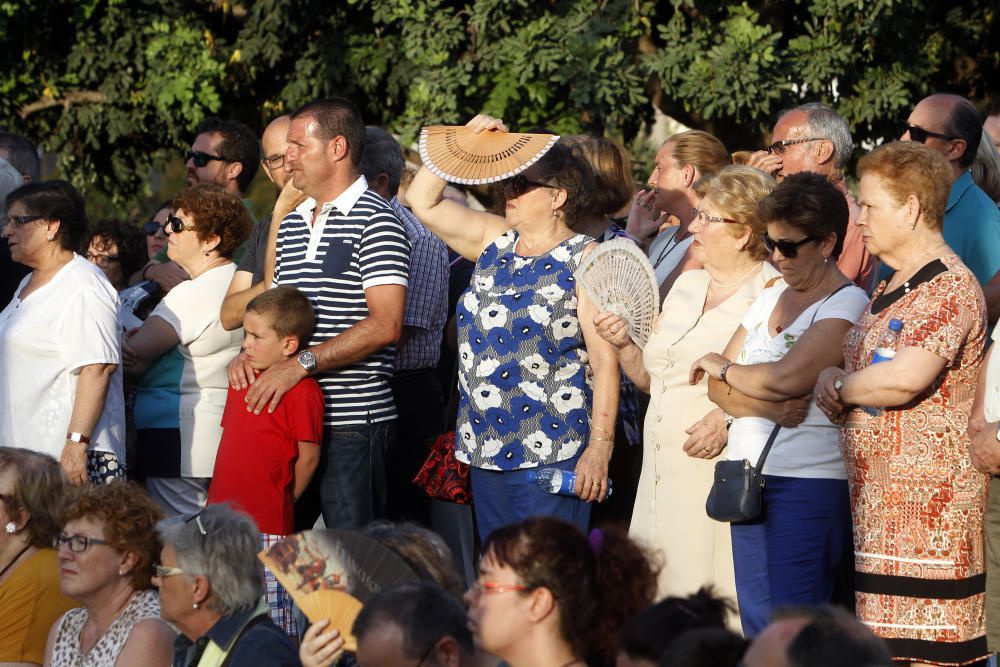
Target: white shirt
(45, 340)
(192, 309)
(991, 396)
(812, 449)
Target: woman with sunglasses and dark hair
(60, 377)
(106, 552)
(917, 498)
(527, 342)
(181, 352)
(791, 554)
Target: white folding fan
(618, 278)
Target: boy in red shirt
(265, 461)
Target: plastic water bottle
(554, 480)
(886, 351)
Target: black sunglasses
(176, 225)
(200, 159)
(788, 249)
(152, 227)
(920, 135)
(20, 220)
(517, 185)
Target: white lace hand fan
(618, 278)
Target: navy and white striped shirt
(357, 242)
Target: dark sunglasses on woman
(516, 186)
(176, 225)
(788, 249)
(152, 227)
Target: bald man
(248, 281)
(950, 125)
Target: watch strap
(73, 436)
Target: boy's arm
(305, 466)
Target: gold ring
(595, 484)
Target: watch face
(308, 360)
(838, 384)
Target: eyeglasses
(698, 213)
(152, 227)
(201, 159)
(76, 543)
(788, 249)
(480, 587)
(779, 147)
(176, 225)
(430, 649)
(517, 185)
(102, 261)
(164, 571)
(920, 135)
(274, 161)
(21, 220)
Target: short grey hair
(825, 123)
(986, 168)
(10, 180)
(225, 554)
(382, 155)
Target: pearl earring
(196, 605)
(10, 528)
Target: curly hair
(39, 490)
(215, 213)
(597, 582)
(129, 517)
(125, 237)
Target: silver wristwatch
(308, 361)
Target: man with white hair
(813, 137)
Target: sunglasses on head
(517, 185)
(920, 135)
(176, 225)
(201, 159)
(788, 249)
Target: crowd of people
(380, 354)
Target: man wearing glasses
(813, 137)
(249, 281)
(950, 125)
(227, 154)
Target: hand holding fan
(618, 278)
(459, 155)
(333, 573)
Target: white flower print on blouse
(491, 447)
(566, 372)
(538, 444)
(471, 302)
(551, 293)
(465, 354)
(566, 399)
(540, 314)
(493, 316)
(487, 366)
(565, 327)
(483, 283)
(534, 391)
(466, 435)
(570, 448)
(487, 396)
(560, 254)
(536, 365)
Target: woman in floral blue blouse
(538, 386)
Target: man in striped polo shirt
(347, 251)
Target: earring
(10, 528)
(826, 259)
(50, 237)
(121, 573)
(196, 605)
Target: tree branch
(67, 100)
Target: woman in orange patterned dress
(917, 501)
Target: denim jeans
(353, 483)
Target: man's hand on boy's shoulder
(273, 384)
(241, 373)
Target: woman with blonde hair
(701, 312)
(682, 161)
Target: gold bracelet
(601, 428)
(596, 439)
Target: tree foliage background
(115, 87)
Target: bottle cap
(896, 325)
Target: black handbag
(738, 487)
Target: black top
(250, 637)
(926, 273)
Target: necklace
(114, 617)
(15, 559)
(667, 248)
(919, 265)
(715, 283)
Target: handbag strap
(777, 427)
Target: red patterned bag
(443, 477)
